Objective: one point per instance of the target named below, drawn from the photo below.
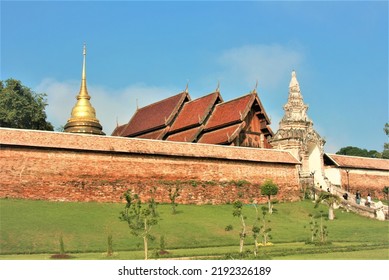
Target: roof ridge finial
(255, 88)
(187, 86)
(218, 86)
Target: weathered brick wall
(72, 167)
(366, 181)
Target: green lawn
(33, 227)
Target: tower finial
(294, 87)
(83, 89)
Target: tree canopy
(20, 107)
(269, 188)
(355, 151)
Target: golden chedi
(83, 118)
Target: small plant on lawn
(161, 250)
(162, 244)
(323, 231)
(173, 194)
(313, 227)
(62, 254)
(109, 245)
(229, 228)
(264, 228)
(61, 246)
(140, 219)
(269, 188)
(256, 229)
(238, 212)
(329, 199)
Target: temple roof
(205, 120)
(186, 136)
(155, 116)
(156, 134)
(233, 111)
(356, 162)
(195, 112)
(224, 135)
(118, 130)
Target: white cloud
(110, 104)
(269, 64)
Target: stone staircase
(377, 210)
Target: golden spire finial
(83, 89)
(83, 118)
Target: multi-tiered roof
(208, 119)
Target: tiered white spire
(295, 109)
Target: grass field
(33, 227)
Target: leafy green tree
(140, 218)
(329, 199)
(269, 188)
(355, 151)
(20, 107)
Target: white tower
(297, 135)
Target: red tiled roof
(359, 162)
(155, 116)
(223, 135)
(118, 130)
(156, 134)
(186, 135)
(194, 112)
(230, 112)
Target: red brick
(73, 167)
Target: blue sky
(146, 51)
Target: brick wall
(73, 167)
(366, 181)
